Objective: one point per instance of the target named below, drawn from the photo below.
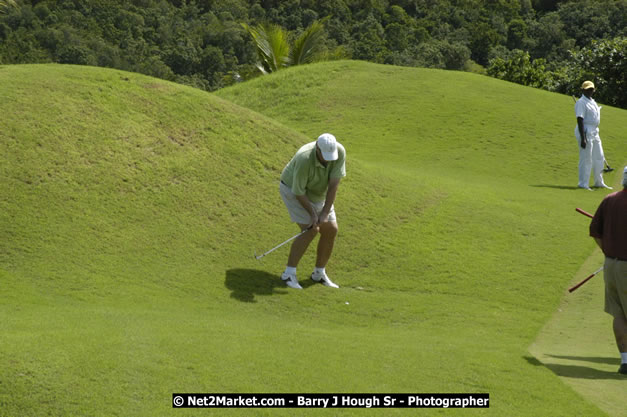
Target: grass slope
(131, 207)
(506, 150)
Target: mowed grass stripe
(578, 343)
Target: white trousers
(590, 159)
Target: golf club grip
(573, 288)
(585, 213)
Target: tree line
(210, 44)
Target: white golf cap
(328, 146)
(625, 177)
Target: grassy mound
(131, 208)
(506, 150)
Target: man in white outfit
(591, 157)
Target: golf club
(585, 213)
(574, 287)
(281, 244)
(607, 166)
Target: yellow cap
(587, 84)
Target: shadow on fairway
(578, 371)
(556, 187)
(609, 361)
(246, 284)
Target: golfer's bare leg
(328, 232)
(300, 245)
(620, 332)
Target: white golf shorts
(297, 212)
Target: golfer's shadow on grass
(556, 187)
(247, 284)
(579, 371)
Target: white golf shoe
(324, 279)
(291, 281)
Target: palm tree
(273, 48)
(308, 47)
(5, 4)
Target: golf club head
(608, 169)
(257, 257)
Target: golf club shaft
(573, 288)
(585, 213)
(281, 244)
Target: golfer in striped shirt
(309, 184)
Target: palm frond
(5, 4)
(272, 45)
(309, 45)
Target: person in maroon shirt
(609, 230)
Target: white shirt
(589, 111)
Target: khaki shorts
(297, 212)
(615, 276)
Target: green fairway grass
(131, 208)
(514, 141)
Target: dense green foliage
(203, 43)
(604, 61)
(5, 4)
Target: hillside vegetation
(131, 208)
(550, 44)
